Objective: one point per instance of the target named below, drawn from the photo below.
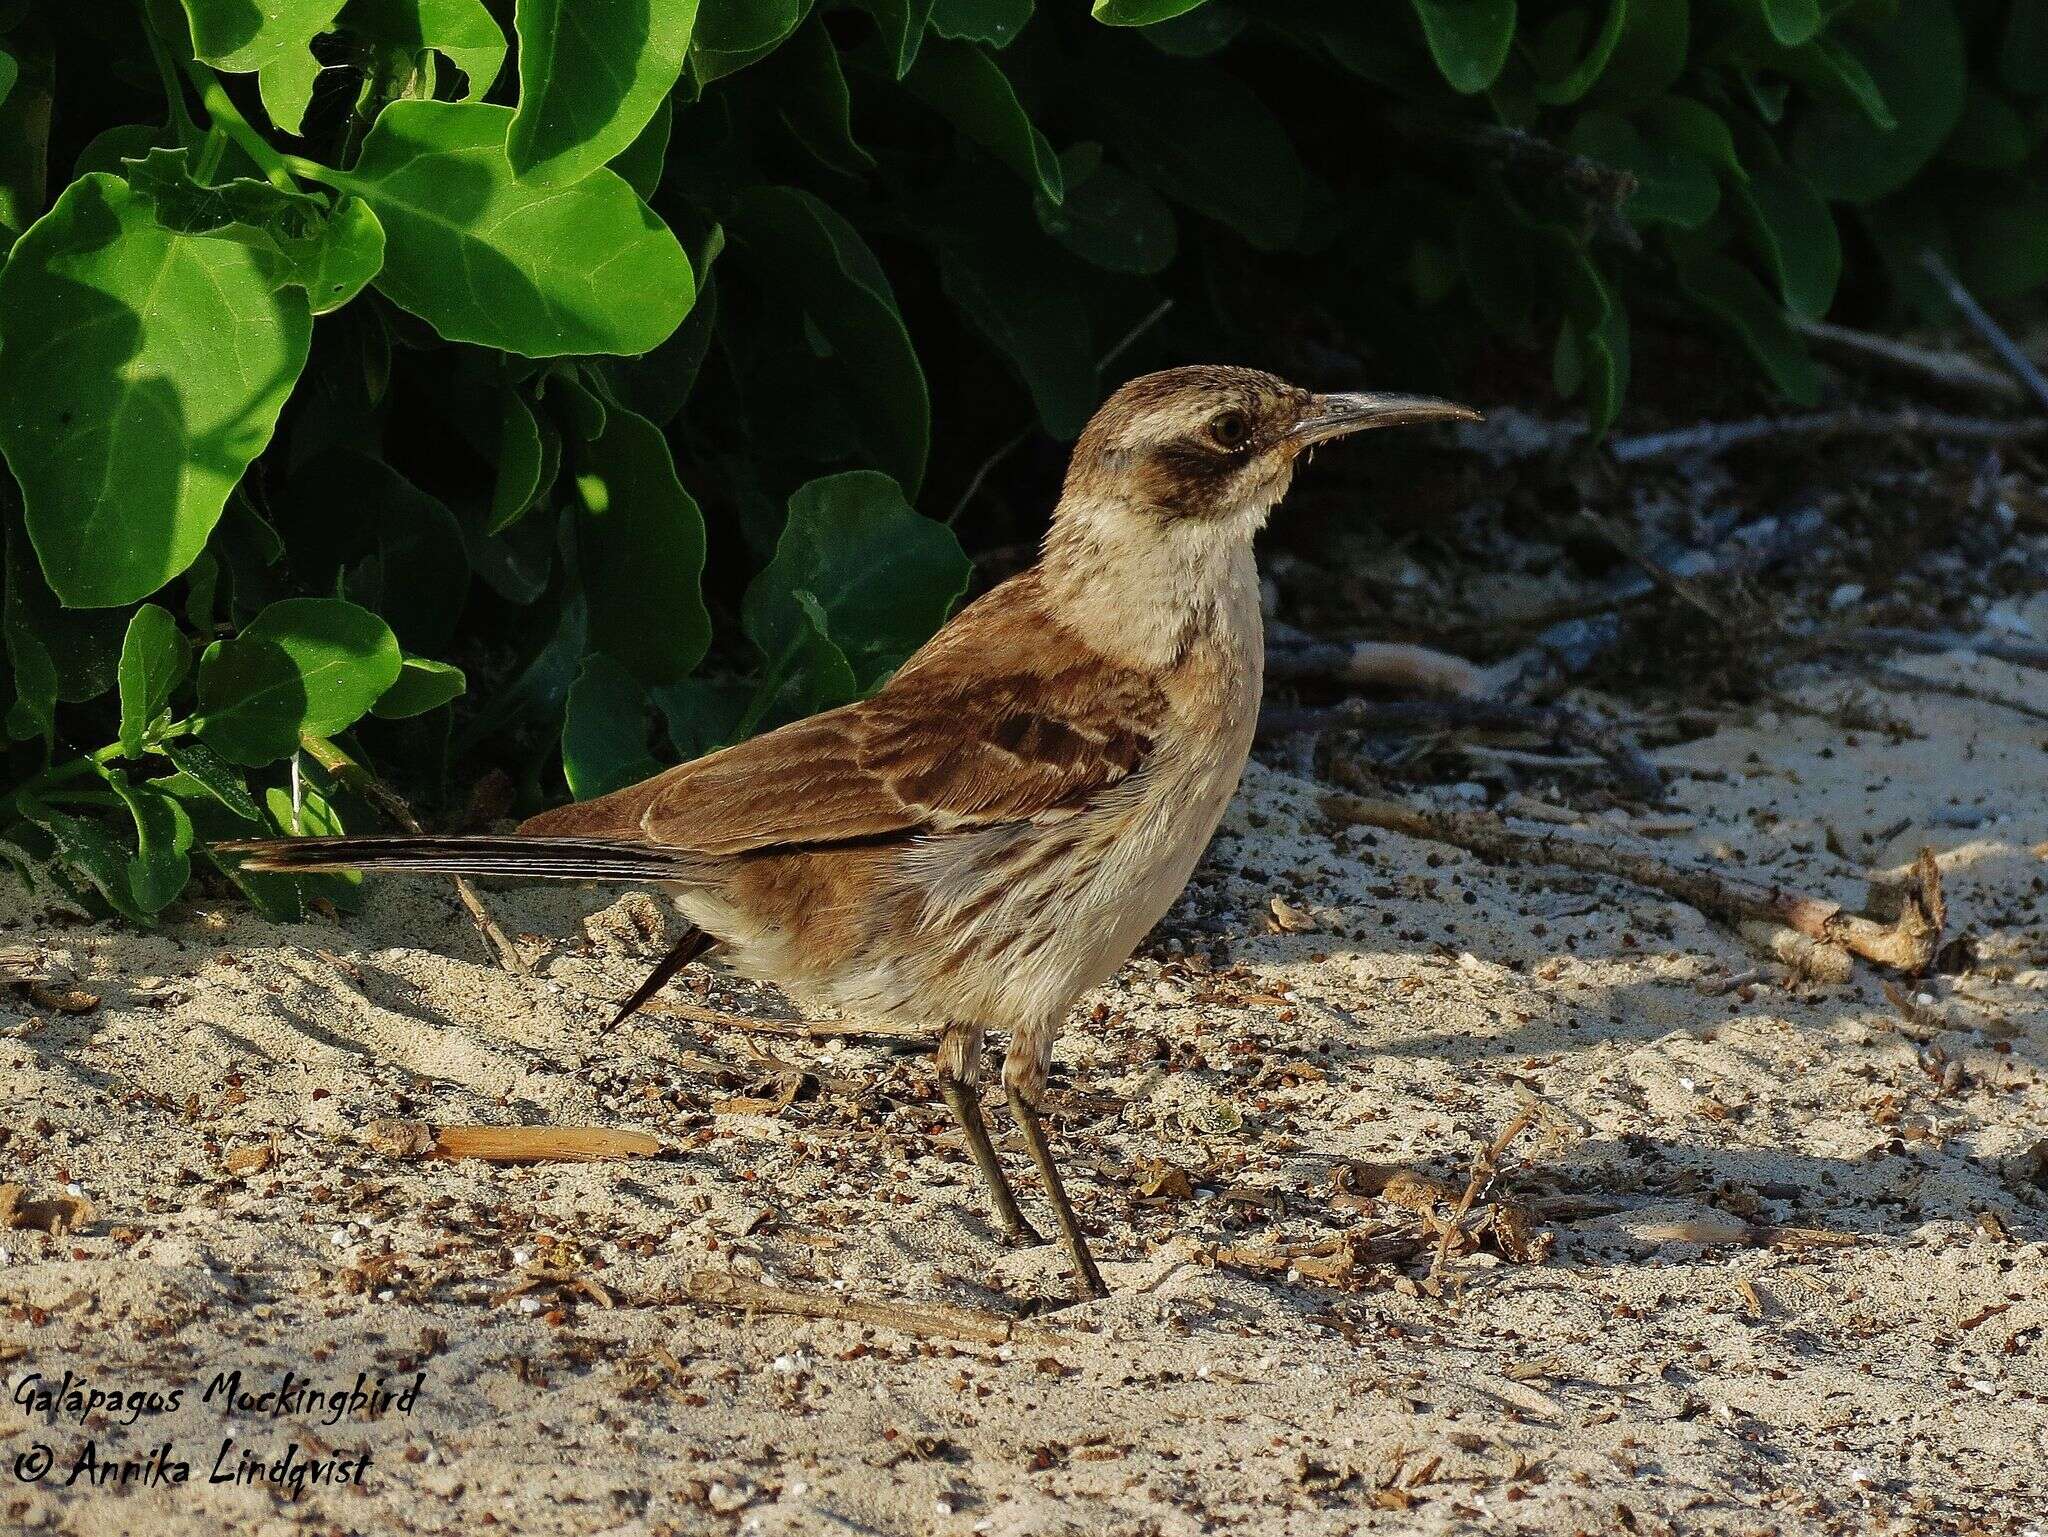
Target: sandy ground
(1884, 1369)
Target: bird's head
(1209, 449)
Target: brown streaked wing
(1001, 716)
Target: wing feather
(1002, 717)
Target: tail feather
(560, 859)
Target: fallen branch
(721, 1288)
(1484, 1167)
(1637, 773)
(2020, 653)
(1709, 439)
(1913, 682)
(509, 1144)
(1813, 959)
(1376, 664)
(373, 789)
(1947, 369)
(2008, 350)
(1908, 944)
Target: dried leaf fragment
(56, 1216)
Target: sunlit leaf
(422, 685)
(591, 75)
(461, 31)
(302, 667)
(527, 266)
(155, 657)
(145, 369)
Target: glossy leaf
(591, 75)
(1109, 217)
(1468, 39)
(155, 657)
(314, 816)
(145, 370)
(604, 734)
(24, 144)
(1139, 13)
(273, 39)
(520, 461)
(995, 22)
(422, 685)
(1579, 77)
(86, 849)
(1916, 59)
(902, 24)
(208, 771)
(1796, 233)
(162, 862)
(640, 162)
(1025, 307)
(966, 86)
(640, 543)
(858, 567)
(731, 34)
(461, 31)
(10, 72)
(1792, 22)
(302, 667)
(523, 265)
(1727, 289)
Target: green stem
(167, 69)
(224, 114)
(313, 170)
(210, 151)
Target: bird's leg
(959, 1068)
(1024, 1070)
(693, 944)
(1056, 1192)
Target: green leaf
(302, 667)
(461, 31)
(995, 22)
(1728, 290)
(808, 256)
(969, 89)
(591, 75)
(808, 87)
(273, 39)
(640, 162)
(522, 265)
(857, 567)
(702, 714)
(1649, 56)
(88, 850)
(731, 34)
(1139, 13)
(11, 71)
(902, 24)
(155, 657)
(519, 464)
(24, 145)
(604, 734)
(1681, 123)
(1468, 39)
(1793, 22)
(210, 772)
(1024, 305)
(1828, 65)
(359, 529)
(315, 816)
(1199, 135)
(1916, 60)
(1109, 217)
(1198, 33)
(422, 685)
(162, 862)
(145, 370)
(1568, 86)
(640, 543)
(1796, 234)
(331, 255)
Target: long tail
(559, 859)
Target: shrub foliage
(391, 381)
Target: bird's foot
(1022, 1235)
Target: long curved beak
(1333, 416)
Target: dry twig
(1946, 369)
(2008, 350)
(1484, 1167)
(1709, 439)
(509, 1144)
(1908, 944)
(373, 789)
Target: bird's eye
(1230, 430)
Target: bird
(993, 831)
